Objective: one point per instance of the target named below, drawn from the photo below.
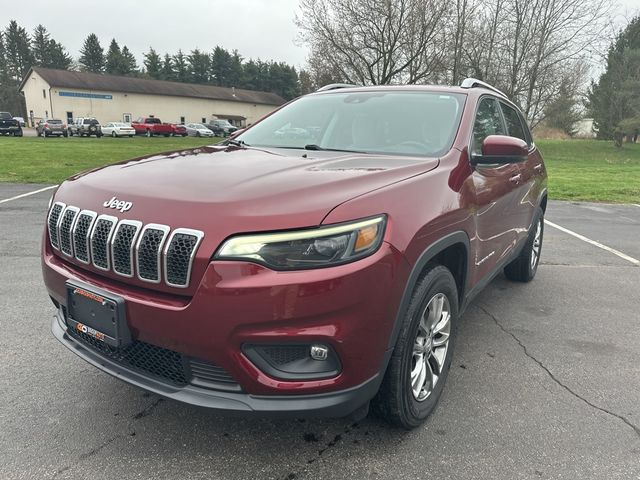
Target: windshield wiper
(237, 143)
(313, 146)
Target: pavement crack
(83, 456)
(635, 428)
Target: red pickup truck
(151, 126)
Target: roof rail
(335, 86)
(474, 82)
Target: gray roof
(115, 83)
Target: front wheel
(422, 354)
(524, 268)
(113, 134)
(149, 134)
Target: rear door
(496, 193)
(527, 198)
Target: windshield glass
(386, 122)
(5, 116)
(198, 126)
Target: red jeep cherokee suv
(316, 262)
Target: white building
(66, 95)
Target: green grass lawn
(592, 170)
(51, 160)
(578, 169)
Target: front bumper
(350, 307)
(334, 404)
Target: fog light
(319, 352)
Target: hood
(237, 190)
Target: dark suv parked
(9, 125)
(318, 261)
(221, 128)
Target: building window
(181, 119)
(69, 117)
(204, 120)
(44, 93)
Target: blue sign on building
(86, 95)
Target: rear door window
(488, 122)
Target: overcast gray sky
(256, 28)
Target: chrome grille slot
(122, 246)
(65, 226)
(100, 238)
(81, 235)
(178, 256)
(52, 224)
(148, 251)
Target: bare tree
(373, 41)
(527, 48)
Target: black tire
(38, 133)
(525, 266)
(396, 401)
(18, 133)
(113, 134)
(197, 134)
(70, 132)
(149, 134)
(130, 136)
(65, 134)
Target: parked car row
(90, 126)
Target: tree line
(21, 49)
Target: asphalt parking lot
(545, 383)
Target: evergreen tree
(562, 113)
(166, 72)
(92, 54)
(129, 64)
(180, 67)
(114, 63)
(152, 63)
(221, 67)
(58, 56)
(236, 76)
(199, 66)
(612, 101)
(40, 46)
(47, 52)
(18, 56)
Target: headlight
(313, 248)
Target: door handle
(516, 179)
(538, 168)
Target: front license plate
(98, 314)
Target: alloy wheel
(430, 346)
(537, 244)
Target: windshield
(5, 116)
(198, 126)
(386, 122)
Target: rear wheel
(524, 268)
(149, 134)
(422, 354)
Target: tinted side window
(488, 122)
(514, 123)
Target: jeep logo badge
(118, 204)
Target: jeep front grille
(125, 247)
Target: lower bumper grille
(166, 365)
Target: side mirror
(500, 149)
